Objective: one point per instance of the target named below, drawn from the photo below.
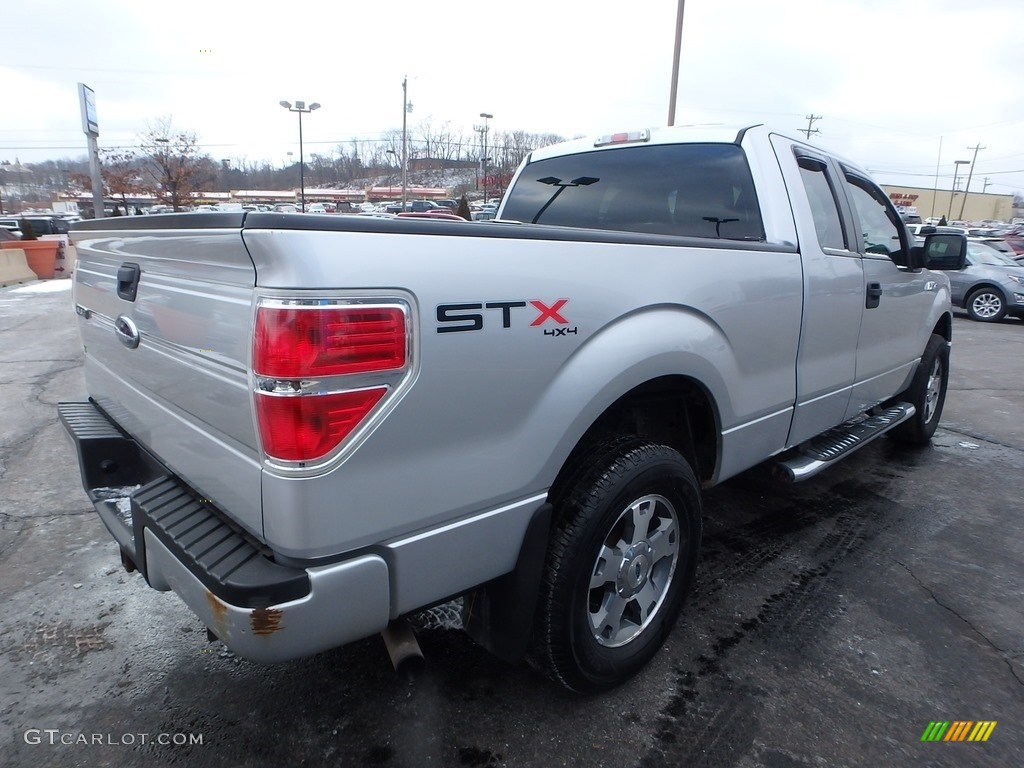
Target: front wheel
(927, 393)
(622, 557)
(986, 305)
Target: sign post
(91, 128)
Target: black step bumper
(134, 493)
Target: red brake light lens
(308, 427)
(292, 343)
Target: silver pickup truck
(311, 427)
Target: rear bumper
(180, 541)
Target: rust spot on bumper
(218, 611)
(265, 621)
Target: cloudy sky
(903, 87)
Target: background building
(977, 206)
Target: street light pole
(483, 153)
(952, 192)
(300, 107)
(406, 109)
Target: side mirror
(945, 252)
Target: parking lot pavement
(831, 623)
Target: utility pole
(967, 189)
(675, 64)
(985, 185)
(935, 189)
(811, 119)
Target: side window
(827, 221)
(879, 223)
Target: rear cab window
(688, 190)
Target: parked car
(995, 242)
(413, 206)
(41, 225)
(920, 230)
(316, 208)
(1016, 243)
(440, 214)
(990, 286)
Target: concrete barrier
(14, 268)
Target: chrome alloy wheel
(932, 390)
(986, 305)
(633, 570)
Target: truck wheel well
(671, 410)
(944, 327)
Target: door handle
(874, 295)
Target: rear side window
(692, 190)
(822, 197)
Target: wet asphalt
(830, 624)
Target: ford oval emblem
(127, 332)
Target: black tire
(927, 393)
(598, 622)
(986, 305)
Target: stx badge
(453, 318)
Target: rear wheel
(927, 393)
(986, 305)
(622, 557)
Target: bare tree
(121, 175)
(173, 168)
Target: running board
(829, 447)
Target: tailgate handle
(128, 281)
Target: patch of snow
(44, 286)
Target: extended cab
(311, 428)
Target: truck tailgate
(165, 312)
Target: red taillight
(308, 342)
(305, 428)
